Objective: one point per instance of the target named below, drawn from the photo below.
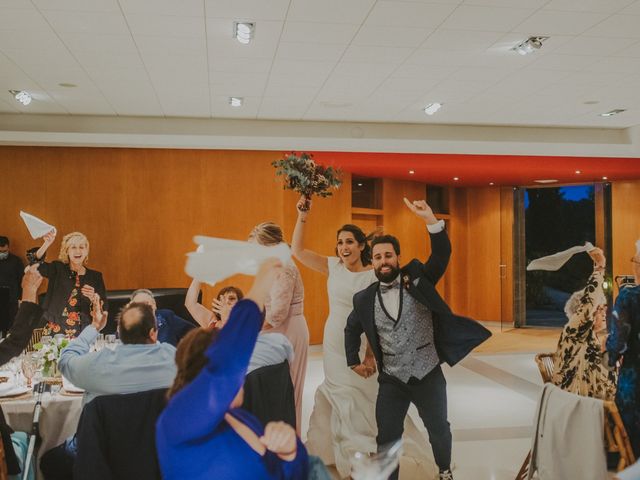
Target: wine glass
(29, 366)
(99, 345)
(110, 341)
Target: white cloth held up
(218, 258)
(557, 260)
(37, 228)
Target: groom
(411, 331)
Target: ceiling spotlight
(235, 101)
(491, 183)
(530, 45)
(359, 184)
(411, 172)
(432, 108)
(21, 96)
(611, 113)
(578, 172)
(243, 31)
(550, 180)
(605, 178)
(455, 179)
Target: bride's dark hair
(361, 238)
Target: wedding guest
(202, 433)
(11, 270)
(271, 347)
(28, 317)
(623, 345)
(171, 328)
(579, 366)
(71, 286)
(284, 310)
(138, 365)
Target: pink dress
(284, 311)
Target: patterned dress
(579, 366)
(624, 341)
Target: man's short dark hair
(4, 241)
(135, 332)
(386, 239)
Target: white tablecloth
(58, 418)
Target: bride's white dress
(343, 419)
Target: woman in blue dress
(202, 433)
(624, 341)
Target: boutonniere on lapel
(406, 281)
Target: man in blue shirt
(141, 363)
(171, 328)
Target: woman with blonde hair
(284, 309)
(72, 285)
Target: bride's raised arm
(309, 258)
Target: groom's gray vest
(407, 345)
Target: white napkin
(37, 228)
(554, 262)
(219, 258)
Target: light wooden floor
(520, 340)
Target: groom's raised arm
(436, 264)
(352, 335)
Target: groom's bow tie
(384, 288)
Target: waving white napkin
(219, 258)
(37, 228)
(554, 262)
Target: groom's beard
(387, 277)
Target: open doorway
(556, 218)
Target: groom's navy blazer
(454, 336)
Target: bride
(343, 417)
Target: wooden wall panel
(140, 209)
(625, 224)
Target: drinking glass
(99, 345)
(110, 341)
(29, 366)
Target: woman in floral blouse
(579, 366)
(71, 286)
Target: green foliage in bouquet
(304, 176)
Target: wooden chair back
(545, 365)
(36, 335)
(4, 473)
(616, 438)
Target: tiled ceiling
(333, 60)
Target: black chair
(116, 437)
(268, 394)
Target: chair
(4, 474)
(545, 365)
(36, 335)
(616, 437)
(268, 394)
(116, 437)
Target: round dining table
(59, 417)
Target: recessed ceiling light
(611, 113)
(67, 85)
(21, 96)
(530, 45)
(455, 179)
(411, 172)
(359, 184)
(243, 31)
(578, 172)
(491, 183)
(235, 101)
(605, 178)
(432, 108)
(550, 180)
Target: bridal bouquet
(50, 352)
(304, 176)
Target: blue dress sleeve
(620, 326)
(197, 409)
